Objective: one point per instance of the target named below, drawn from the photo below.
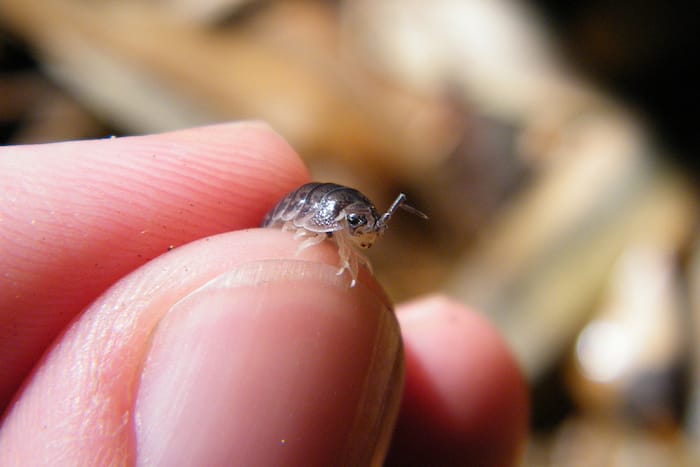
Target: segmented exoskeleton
(327, 210)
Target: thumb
(228, 350)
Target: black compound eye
(355, 220)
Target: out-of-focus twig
(147, 70)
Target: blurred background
(553, 144)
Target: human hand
(230, 349)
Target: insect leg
(311, 241)
(362, 260)
(348, 257)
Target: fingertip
(283, 343)
(229, 350)
(77, 216)
(249, 156)
(465, 401)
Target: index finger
(77, 216)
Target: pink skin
(463, 384)
(229, 348)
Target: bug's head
(364, 224)
(361, 222)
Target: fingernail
(273, 363)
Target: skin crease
(77, 217)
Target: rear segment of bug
(321, 210)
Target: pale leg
(311, 241)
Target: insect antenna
(399, 202)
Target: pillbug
(326, 210)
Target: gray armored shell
(316, 207)
(317, 211)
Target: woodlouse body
(321, 210)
